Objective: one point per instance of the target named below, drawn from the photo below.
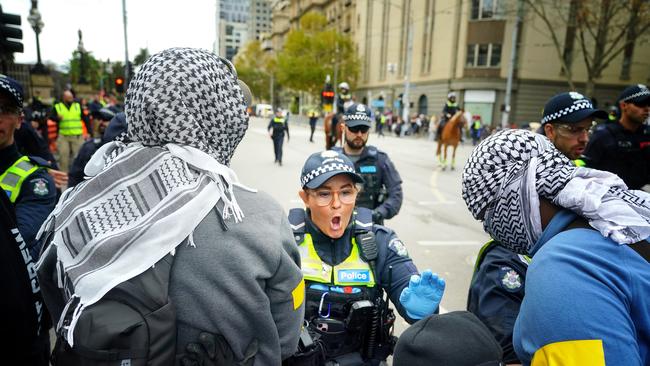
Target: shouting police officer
(347, 263)
(30, 189)
(623, 147)
(382, 191)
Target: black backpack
(133, 324)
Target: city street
(434, 222)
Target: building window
(485, 9)
(483, 55)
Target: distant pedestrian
(313, 119)
(278, 126)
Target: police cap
(570, 107)
(637, 94)
(12, 89)
(357, 115)
(322, 166)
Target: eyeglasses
(574, 131)
(324, 197)
(360, 128)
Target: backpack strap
(297, 221)
(642, 247)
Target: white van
(263, 110)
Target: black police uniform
(30, 143)
(382, 191)
(278, 126)
(496, 292)
(625, 153)
(346, 337)
(36, 199)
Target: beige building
(461, 46)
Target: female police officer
(347, 263)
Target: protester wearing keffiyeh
(186, 114)
(578, 276)
(509, 172)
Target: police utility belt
(345, 312)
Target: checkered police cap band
(356, 117)
(585, 104)
(7, 86)
(331, 167)
(641, 93)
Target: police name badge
(398, 247)
(510, 279)
(40, 187)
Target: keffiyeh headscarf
(508, 172)
(186, 115)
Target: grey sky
(153, 24)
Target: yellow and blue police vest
(278, 120)
(452, 105)
(353, 271)
(12, 179)
(70, 124)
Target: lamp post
(37, 24)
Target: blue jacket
(378, 170)
(496, 292)
(36, 200)
(587, 292)
(390, 252)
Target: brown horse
(450, 136)
(332, 139)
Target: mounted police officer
(448, 111)
(382, 191)
(278, 125)
(623, 147)
(23, 178)
(498, 284)
(348, 263)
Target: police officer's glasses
(323, 197)
(360, 128)
(574, 131)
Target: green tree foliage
(255, 67)
(141, 57)
(92, 72)
(313, 52)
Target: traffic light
(327, 95)
(10, 33)
(119, 84)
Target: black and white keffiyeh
(509, 171)
(186, 115)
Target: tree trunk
(590, 87)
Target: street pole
(336, 72)
(511, 67)
(271, 91)
(407, 71)
(217, 45)
(126, 45)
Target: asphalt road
(433, 223)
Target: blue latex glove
(422, 297)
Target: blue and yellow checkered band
(641, 93)
(331, 167)
(580, 105)
(356, 117)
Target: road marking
(433, 182)
(442, 243)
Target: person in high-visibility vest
(23, 179)
(68, 115)
(348, 263)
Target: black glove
(377, 217)
(213, 350)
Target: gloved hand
(377, 217)
(422, 297)
(213, 350)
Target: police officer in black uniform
(23, 178)
(623, 147)
(277, 127)
(348, 263)
(498, 284)
(382, 191)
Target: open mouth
(335, 223)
